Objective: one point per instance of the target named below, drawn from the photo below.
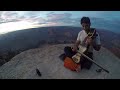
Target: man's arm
(76, 45)
(77, 42)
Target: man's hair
(85, 20)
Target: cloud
(58, 17)
(13, 16)
(61, 19)
(9, 16)
(37, 20)
(102, 19)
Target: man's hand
(75, 47)
(88, 40)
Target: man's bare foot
(78, 69)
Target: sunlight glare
(14, 26)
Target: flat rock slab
(46, 59)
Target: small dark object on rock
(98, 70)
(38, 72)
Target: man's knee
(67, 49)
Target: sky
(18, 20)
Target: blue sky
(16, 20)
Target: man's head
(85, 22)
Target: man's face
(86, 26)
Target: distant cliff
(13, 43)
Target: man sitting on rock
(83, 39)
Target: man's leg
(68, 51)
(85, 63)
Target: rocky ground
(46, 59)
